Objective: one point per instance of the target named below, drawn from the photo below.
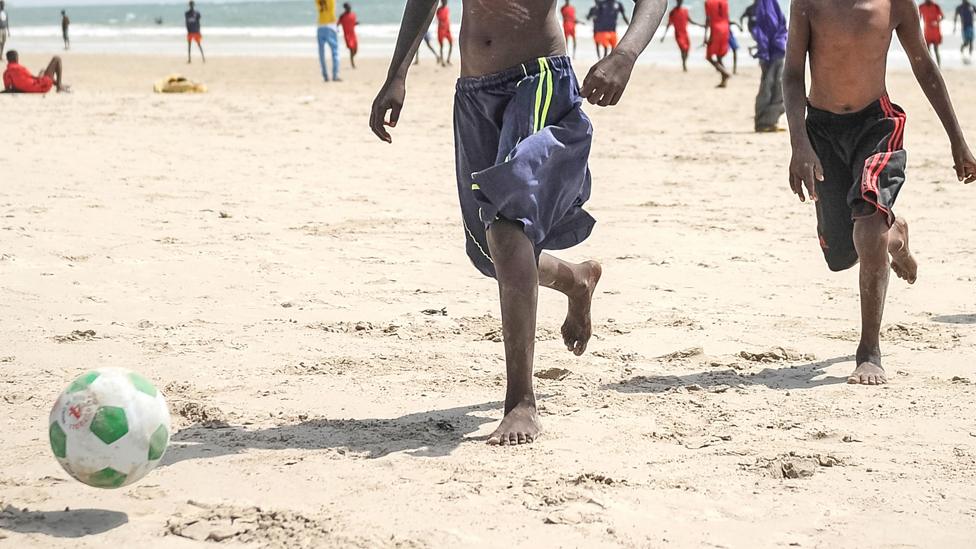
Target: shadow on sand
(789, 378)
(955, 319)
(74, 523)
(433, 433)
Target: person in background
(932, 21)
(769, 32)
(444, 32)
(4, 27)
(679, 19)
(749, 16)
(604, 15)
(734, 46)
(65, 23)
(717, 36)
(429, 40)
(569, 24)
(964, 11)
(20, 80)
(327, 35)
(348, 23)
(192, 17)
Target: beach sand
(268, 263)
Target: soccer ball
(109, 428)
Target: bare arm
(665, 33)
(623, 13)
(606, 81)
(417, 16)
(805, 167)
(930, 79)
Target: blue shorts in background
(522, 145)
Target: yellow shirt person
(327, 35)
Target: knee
(871, 237)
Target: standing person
(749, 17)
(4, 27)
(444, 32)
(20, 80)
(521, 144)
(717, 36)
(769, 32)
(429, 40)
(932, 18)
(65, 23)
(734, 46)
(679, 19)
(348, 23)
(192, 18)
(965, 11)
(569, 24)
(604, 15)
(327, 35)
(848, 154)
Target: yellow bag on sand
(176, 83)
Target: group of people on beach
(522, 143)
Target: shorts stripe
(545, 106)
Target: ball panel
(83, 382)
(106, 478)
(109, 424)
(158, 442)
(142, 384)
(59, 440)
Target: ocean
(272, 27)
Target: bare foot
(577, 328)
(725, 81)
(869, 370)
(521, 425)
(902, 260)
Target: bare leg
(200, 47)
(577, 282)
(938, 58)
(189, 52)
(717, 63)
(684, 60)
(518, 290)
(735, 61)
(450, 50)
(352, 58)
(574, 47)
(440, 56)
(54, 71)
(871, 243)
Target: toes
(494, 440)
(512, 439)
(853, 380)
(529, 438)
(521, 438)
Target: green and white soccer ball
(109, 428)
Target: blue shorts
(733, 43)
(522, 145)
(967, 34)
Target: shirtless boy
(848, 153)
(521, 144)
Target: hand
(964, 163)
(605, 83)
(805, 170)
(389, 99)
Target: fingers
(376, 117)
(589, 85)
(810, 181)
(796, 186)
(394, 115)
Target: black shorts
(864, 168)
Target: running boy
(569, 24)
(521, 143)
(679, 19)
(444, 32)
(717, 34)
(932, 19)
(964, 11)
(348, 23)
(848, 152)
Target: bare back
(499, 34)
(849, 42)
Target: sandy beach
(300, 293)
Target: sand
(268, 264)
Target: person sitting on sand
(18, 79)
(522, 144)
(848, 152)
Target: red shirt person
(678, 19)
(931, 17)
(444, 31)
(569, 20)
(348, 23)
(717, 13)
(18, 79)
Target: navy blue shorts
(522, 144)
(863, 160)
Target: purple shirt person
(769, 31)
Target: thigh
(835, 225)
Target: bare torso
(849, 41)
(499, 34)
